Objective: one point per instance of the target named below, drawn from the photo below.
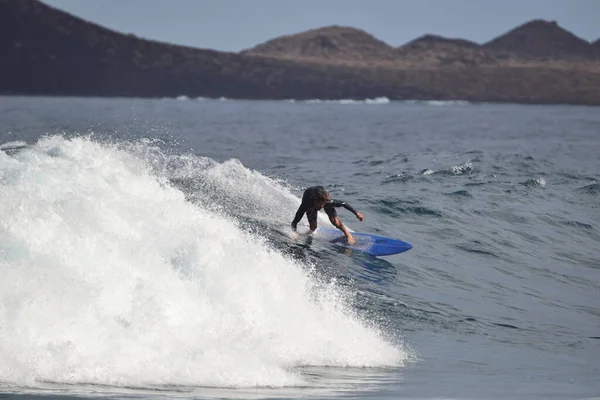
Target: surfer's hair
(322, 195)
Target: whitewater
(129, 284)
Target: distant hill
(329, 43)
(44, 51)
(435, 40)
(539, 39)
(439, 51)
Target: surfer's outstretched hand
(360, 216)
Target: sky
(234, 25)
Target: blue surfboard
(365, 242)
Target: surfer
(316, 198)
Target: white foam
(462, 169)
(377, 100)
(446, 102)
(541, 181)
(438, 102)
(110, 276)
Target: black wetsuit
(308, 206)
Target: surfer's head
(321, 197)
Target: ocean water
(145, 250)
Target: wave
(404, 177)
(477, 247)
(184, 97)
(579, 225)
(460, 193)
(438, 102)
(384, 100)
(461, 169)
(592, 188)
(376, 100)
(112, 275)
(399, 178)
(395, 208)
(536, 182)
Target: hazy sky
(234, 25)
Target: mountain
(539, 39)
(44, 51)
(435, 41)
(335, 43)
(440, 51)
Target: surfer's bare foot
(350, 239)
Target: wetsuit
(308, 206)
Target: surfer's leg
(311, 214)
(335, 221)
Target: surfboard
(365, 242)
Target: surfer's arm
(338, 203)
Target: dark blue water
(145, 250)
